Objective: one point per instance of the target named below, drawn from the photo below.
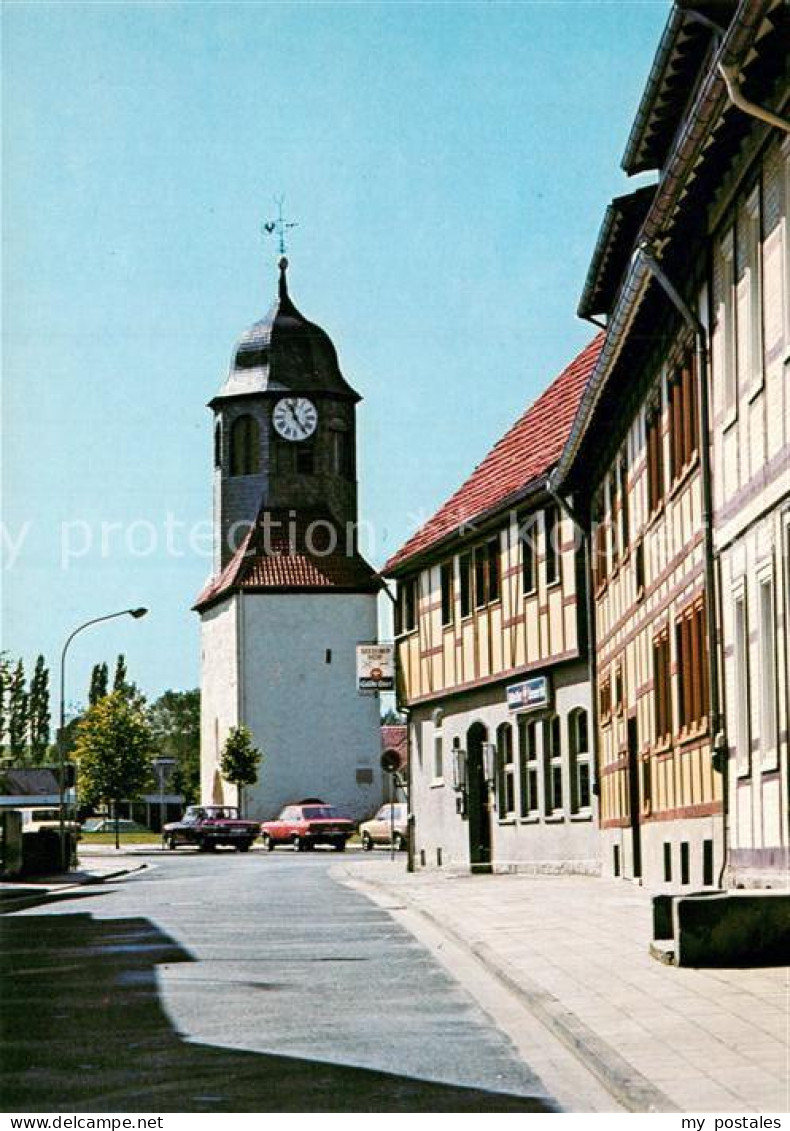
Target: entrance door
(478, 801)
(633, 797)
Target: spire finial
(280, 225)
(283, 265)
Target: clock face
(295, 418)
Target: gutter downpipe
(592, 667)
(732, 80)
(716, 721)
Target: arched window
(244, 446)
(506, 786)
(438, 751)
(218, 444)
(552, 764)
(579, 754)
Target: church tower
(290, 596)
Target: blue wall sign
(529, 695)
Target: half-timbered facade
(679, 462)
(490, 629)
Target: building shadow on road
(83, 1029)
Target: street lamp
(136, 613)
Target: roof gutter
(709, 103)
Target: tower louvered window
(245, 446)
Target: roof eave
(707, 106)
(468, 530)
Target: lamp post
(136, 613)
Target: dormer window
(251, 358)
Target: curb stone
(626, 1084)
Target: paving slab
(574, 949)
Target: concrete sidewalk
(574, 951)
(29, 891)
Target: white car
(45, 820)
(389, 822)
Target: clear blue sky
(448, 164)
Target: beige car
(383, 826)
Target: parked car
(306, 824)
(46, 820)
(107, 825)
(390, 821)
(208, 826)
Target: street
(229, 982)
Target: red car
(306, 824)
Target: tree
(38, 712)
(175, 723)
(119, 682)
(5, 679)
(17, 713)
(114, 750)
(392, 718)
(122, 684)
(240, 760)
(100, 678)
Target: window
(244, 446)
(579, 748)
(481, 569)
(528, 764)
(218, 444)
(622, 472)
(749, 295)
(447, 593)
(707, 863)
(438, 753)
(692, 667)
(600, 559)
(341, 453)
(619, 691)
(492, 572)
(655, 457)
(506, 792)
(685, 863)
(662, 687)
(605, 699)
(406, 608)
(743, 729)
(305, 459)
(551, 526)
(465, 570)
(528, 534)
(683, 417)
(552, 759)
(667, 862)
(614, 510)
(639, 568)
(725, 318)
(768, 728)
(486, 571)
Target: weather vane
(280, 225)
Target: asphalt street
(230, 982)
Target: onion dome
(284, 353)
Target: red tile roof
(286, 552)
(524, 455)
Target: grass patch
(124, 838)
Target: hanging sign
(375, 667)
(529, 695)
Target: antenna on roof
(280, 225)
